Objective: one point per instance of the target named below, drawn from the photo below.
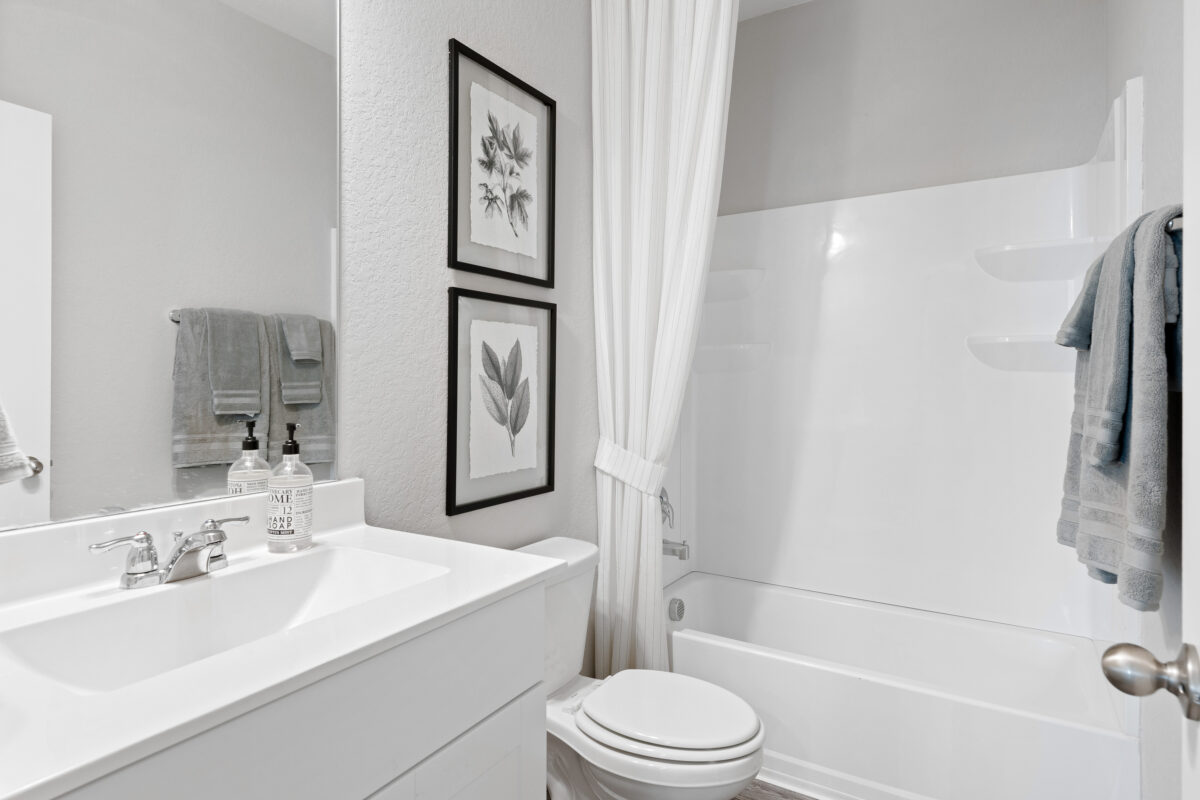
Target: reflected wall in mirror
(153, 155)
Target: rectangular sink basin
(159, 629)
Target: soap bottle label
(246, 485)
(289, 512)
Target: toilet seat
(671, 774)
(604, 736)
(669, 710)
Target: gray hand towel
(14, 464)
(1108, 364)
(198, 436)
(234, 361)
(1076, 330)
(302, 332)
(318, 421)
(1113, 513)
(300, 379)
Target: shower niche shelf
(713, 358)
(1022, 353)
(1056, 260)
(732, 284)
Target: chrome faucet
(196, 554)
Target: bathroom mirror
(153, 156)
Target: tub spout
(678, 549)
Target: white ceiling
(756, 8)
(313, 22)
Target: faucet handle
(142, 557)
(215, 524)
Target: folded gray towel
(198, 436)
(1076, 330)
(318, 421)
(1108, 364)
(1171, 277)
(300, 379)
(234, 361)
(14, 464)
(302, 332)
(1114, 512)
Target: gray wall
(394, 274)
(842, 98)
(195, 164)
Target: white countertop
(55, 737)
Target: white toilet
(640, 734)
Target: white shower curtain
(660, 97)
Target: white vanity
(377, 664)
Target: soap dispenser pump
(249, 473)
(290, 500)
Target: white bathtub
(864, 701)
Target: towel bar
(1176, 224)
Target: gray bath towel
(1102, 317)
(1114, 512)
(299, 379)
(198, 436)
(234, 361)
(14, 464)
(318, 421)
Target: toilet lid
(604, 736)
(671, 710)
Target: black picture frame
(458, 446)
(456, 258)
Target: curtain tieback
(629, 468)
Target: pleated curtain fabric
(660, 98)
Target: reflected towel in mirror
(14, 464)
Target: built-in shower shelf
(732, 284)
(1057, 260)
(1023, 353)
(730, 357)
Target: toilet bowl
(639, 734)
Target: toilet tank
(568, 599)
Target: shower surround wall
(858, 447)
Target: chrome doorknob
(1134, 670)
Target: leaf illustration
(520, 408)
(491, 365)
(488, 161)
(520, 153)
(493, 400)
(517, 206)
(494, 132)
(512, 370)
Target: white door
(25, 303)
(1190, 578)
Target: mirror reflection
(162, 161)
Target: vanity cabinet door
(501, 758)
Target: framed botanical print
(501, 172)
(500, 417)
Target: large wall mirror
(154, 155)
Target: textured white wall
(394, 274)
(195, 164)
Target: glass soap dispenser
(290, 500)
(249, 473)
